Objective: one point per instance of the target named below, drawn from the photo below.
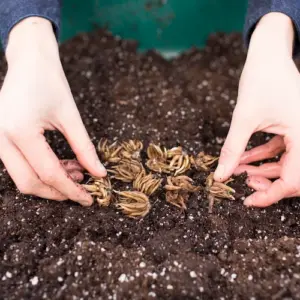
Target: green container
(169, 26)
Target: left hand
(268, 101)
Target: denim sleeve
(258, 8)
(13, 11)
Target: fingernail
(100, 167)
(248, 201)
(76, 176)
(219, 173)
(86, 203)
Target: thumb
(235, 144)
(74, 131)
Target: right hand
(35, 97)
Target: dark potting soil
(52, 250)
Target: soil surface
(52, 250)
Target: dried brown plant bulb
(218, 190)
(157, 161)
(178, 160)
(182, 164)
(184, 182)
(132, 149)
(127, 170)
(146, 184)
(175, 151)
(181, 183)
(109, 153)
(156, 152)
(100, 189)
(134, 204)
(178, 189)
(203, 161)
(166, 161)
(177, 198)
(158, 166)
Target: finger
(77, 136)
(23, 175)
(282, 159)
(284, 187)
(258, 183)
(234, 146)
(76, 176)
(71, 165)
(269, 150)
(268, 170)
(49, 169)
(273, 194)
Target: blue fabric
(13, 11)
(259, 8)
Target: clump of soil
(52, 250)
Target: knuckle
(51, 173)
(49, 177)
(14, 129)
(227, 152)
(290, 187)
(26, 187)
(86, 147)
(90, 147)
(270, 150)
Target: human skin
(268, 101)
(35, 97)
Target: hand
(35, 97)
(268, 101)
(73, 168)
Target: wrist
(273, 36)
(31, 37)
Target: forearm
(14, 11)
(275, 26)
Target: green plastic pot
(169, 26)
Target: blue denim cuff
(14, 11)
(258, 8)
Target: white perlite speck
(152, 294)
(142, 265)
(169, 287)
(123, 278)
(193, 274)
(34, 280)
(8, 275)
(79, 257)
